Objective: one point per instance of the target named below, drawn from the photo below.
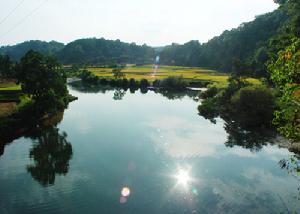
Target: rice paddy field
(9, 86)
(9, 96)
(152, 73)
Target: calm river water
(122, 152)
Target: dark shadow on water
(240, 133)
(28, 128)
(252, 139)
(51, 153)
(119, 92)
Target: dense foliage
(285, 73)
(83, 51)
(6, 67)
(101, 51)
(43, 78)
(250, 107)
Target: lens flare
(123, 200)
(155, 66)
(125, 192)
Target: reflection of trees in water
(118, 91)
(90, 88)
(178, 94)
(240, 133)
(292, 165)
(119, 94)
(144, 90)
(250, 139)
(28, 127)
(51, 154)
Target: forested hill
(92, 51)
(15, 52)
(247, 43)
(101, 51)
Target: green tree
(44, 79)
(285, 73)
(5, 67)
(281, 2)
(253, 106)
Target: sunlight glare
(183, 177)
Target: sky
(154, 22)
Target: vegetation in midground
(43, 92)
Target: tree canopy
(43, 78)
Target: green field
(148, 72)
(9, 86)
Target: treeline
(101, 51)
(85, 51)
(120, 80)
(249, 43)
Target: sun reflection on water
(183, 177)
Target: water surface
(122, 152)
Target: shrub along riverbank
(247, 109)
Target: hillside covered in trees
(101, 51)
(247, 43)
(91, 51)
(16, 52)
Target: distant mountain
(91, 50)
(15, 52)
(101, 51)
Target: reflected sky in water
(144, 153)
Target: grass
(9, 86)
(191, 74)
(9, 91)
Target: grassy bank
(148, 72)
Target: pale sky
(154, 22)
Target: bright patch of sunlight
(183, 177)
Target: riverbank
(25, 121)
